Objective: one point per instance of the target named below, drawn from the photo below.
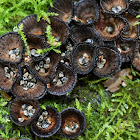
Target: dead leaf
(5, 95)
(113, 84)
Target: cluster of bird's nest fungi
(95, 37)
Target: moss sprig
(52, 41)
(23, 37)
(6, 126)
(137, 23)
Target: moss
(11, 12)
(110, 116)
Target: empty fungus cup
(64, 9)
(22, 112)
(83, 57)
(86, 12)
(32, 27)
(11, 48)
(47, 123)
(114, 6)
(28, 86)
(73, 123)
(108, 61)
(64, 81)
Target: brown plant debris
(5, 95)
(113, 84)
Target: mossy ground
(110, 116)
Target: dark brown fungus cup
(32, 26)
(22, 112)
(8, 74)
(64, 8)
(109, 26)
(136, 60)
(47, 123)
(131, 32)
(85, 34)
(108, 61)
(86, 12)
(134, 8)
(45, 68)
(83, 58)
(73, 123)
(114, 6)
(127, 49)
(28, 86)
(64, 81)
(11, 48)
(60, 30)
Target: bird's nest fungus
(86, 30)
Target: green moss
(110, 116)
(113, 116)
(11, 12)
